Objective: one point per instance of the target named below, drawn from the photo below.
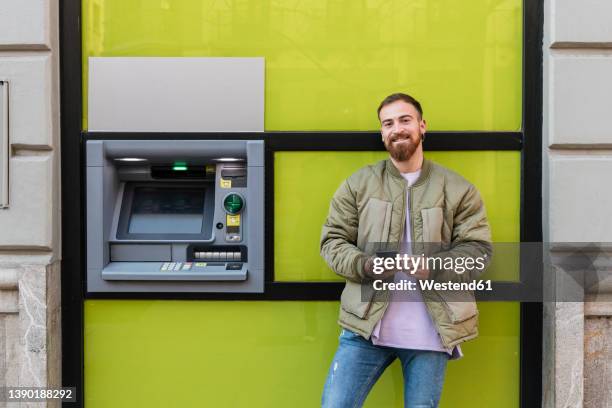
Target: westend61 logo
(411, 264)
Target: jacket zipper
(367, 311)
(426, 303)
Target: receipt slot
(175, 215)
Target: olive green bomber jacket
(369, 207)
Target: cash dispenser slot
(178, 172)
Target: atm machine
(175, 215)
(181, 211)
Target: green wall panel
(263, 354)
(330, 62)
(304, 183)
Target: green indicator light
(179, 166)
(233, 203)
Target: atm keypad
(231, 260)
(176, 266)
(200, 266)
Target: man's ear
(423, 126)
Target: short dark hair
(400, 97)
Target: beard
(403, 151)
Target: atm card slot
(237, 176)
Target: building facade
(576, 163)
(30, 340)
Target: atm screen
(166, 211)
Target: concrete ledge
(9, 279)
(598, 305)
(580, 45)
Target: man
(409, 201)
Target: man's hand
(417, 268)
(420, 271)
(368, 269)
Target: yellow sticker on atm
(226, 183)
(233, 220)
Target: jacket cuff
(359, 265)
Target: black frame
(528, 142)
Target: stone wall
(577, 164)
(30, 343)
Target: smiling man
(409, 201)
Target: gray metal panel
(140, 253)
(255, 226)
(257, 277)
(4, 145)
(253, 284)
(95, 153)
(179, 252)
(196, 151)
(111, 188)
(146, 271)
(154, 94)
(255, 153)
(94, 211)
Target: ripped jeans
(358, 364)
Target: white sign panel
(153, 94)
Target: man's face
(402, 129)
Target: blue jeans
(358, 364)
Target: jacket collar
(425, 171)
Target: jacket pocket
(355, 302)
(462, 310)
(433, 221)
(374, 222)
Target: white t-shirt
(406, 323)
